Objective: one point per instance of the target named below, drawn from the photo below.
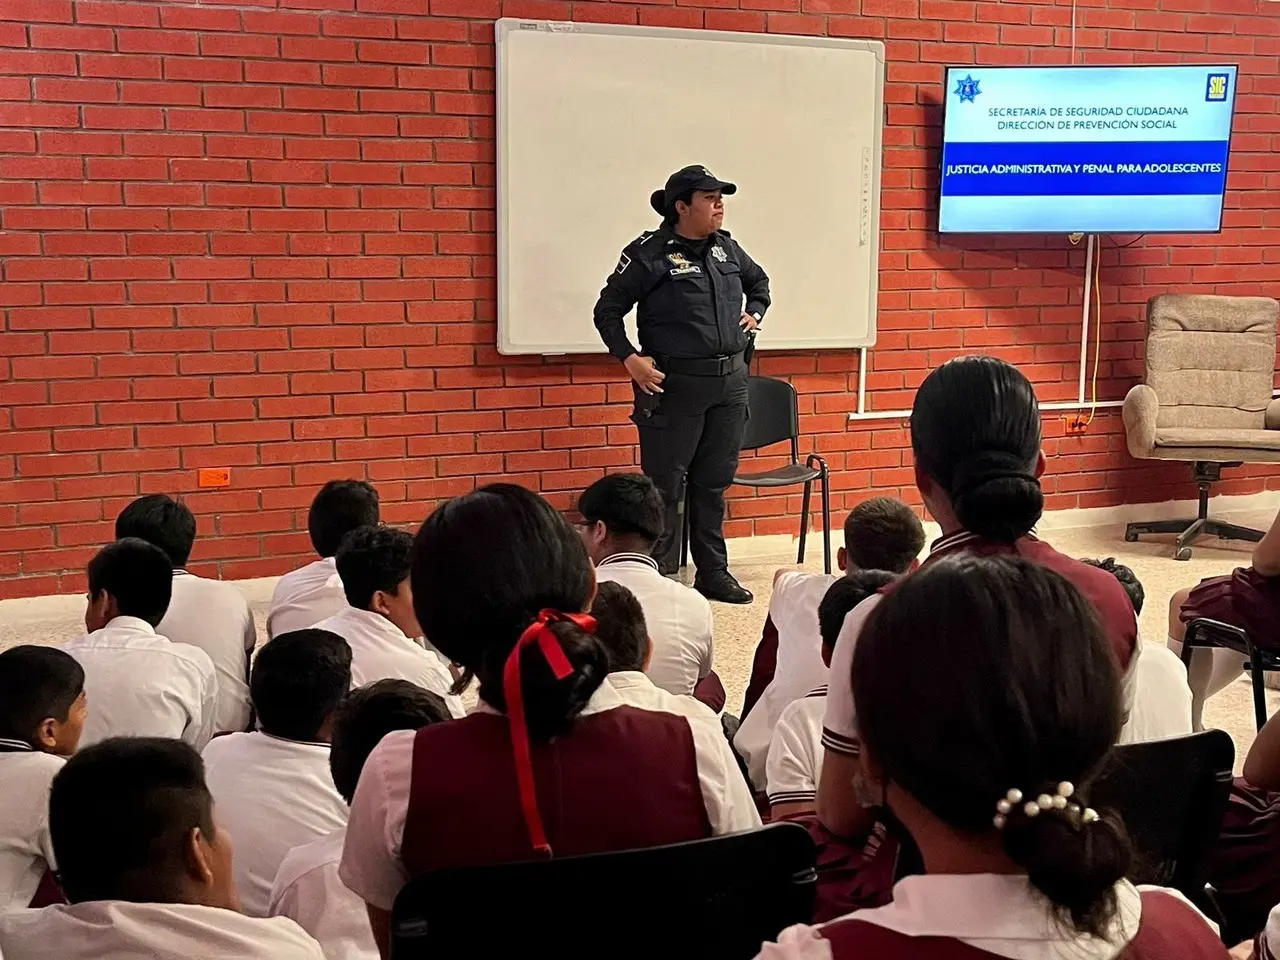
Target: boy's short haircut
(883, 533)
(620, 626)
(369, 713)
(120, 812)
(298, 679)
(372, 559)
(340, 507)
(160, 520)
(1128, 579)
(845, 594)
(627, 504)
(137, 574)
(36, 683)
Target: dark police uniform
(689, 297)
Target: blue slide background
(1080, 200)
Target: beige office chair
(1207, 399)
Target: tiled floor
(57, 619)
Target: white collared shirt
(119, 930)
(214, 616)
(25, 849)
(794, 766)
(381, 651)
(270, 795)
(793, 608)
(1161, 697)
(371, 864)
(307, 891)
(1001, 914)
(305, 596)
(141, 684)
(678, 617)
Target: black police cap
(695, 177)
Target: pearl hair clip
(1032, 808)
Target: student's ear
(842, 558)
(47, 734)
(378, 604)
(197, 854)
(648, 655)
(1042, 464)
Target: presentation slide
(1086, 149)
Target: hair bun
(996, 495)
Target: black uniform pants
(692, 432)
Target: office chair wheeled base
(1191, 530)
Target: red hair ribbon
(538, 632)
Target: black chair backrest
(774, 413)
(1172, 795)
(718, 898)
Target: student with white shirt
(272, 787)
(42, 711)
(306, 596)
(141, 684)
(378, 620)
(147, 871)
(551, 758)
(622, 518)
(209, 614)
(307, 889)
(987, 758)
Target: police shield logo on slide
(967, 89)
(680, 265)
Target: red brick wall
(260, 235)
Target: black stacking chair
(1214, 633)
(775, 418)
(717, 899)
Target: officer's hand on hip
(645, 373)
(749, 322)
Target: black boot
(721, 586)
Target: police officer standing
(699, 300)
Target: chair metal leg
(804, 520)
(826, 522)
(1259, 680)
(684, 529)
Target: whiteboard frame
(508, 25)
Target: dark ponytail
(484, 566)
(975, 428)
(1021, 694)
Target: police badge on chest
(680, 265)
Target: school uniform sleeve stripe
(793, 796)
(840, 744)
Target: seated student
(622, 519)
(501, 582)
(42, 709)
(309, 594)
(272, 787)
(882, 533)
(140, 683)
(975, 435)
(795, 753)
(378, 621)
(621, 628)
(1248, 598)
(146, 870)
(209, 614)
(987, 758)
(307, 889)
(1161, 697)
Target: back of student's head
(883, 533)
(620, 627)
(137, 575)
(340, 507)
(297, 681)
(371, 559)
(121, 813)
(628, 504)
(978, 676)
(975, 430)
(36, 684)
(845, 594)
(160, 520)
(1128, 579)
(485, 565)
(369, 713)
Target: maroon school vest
(1170, 930)
(1104, 591)
(619, 779)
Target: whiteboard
(591, 119)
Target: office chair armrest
(1141, 407)
(813, 458)
(1272, 417)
